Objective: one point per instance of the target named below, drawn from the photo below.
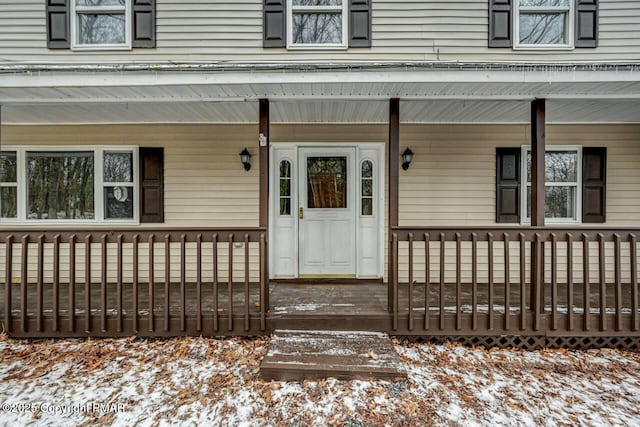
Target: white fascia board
(172, 78)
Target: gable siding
(409, 30)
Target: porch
(484, 287)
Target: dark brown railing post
(247, 324)
(24, 277)
(214, 257)
(442, 279)
(230, 285)
(72, 283)
(570, 325)
(394, 280)
(264, 290)
(56, 282)
(634, 281)
(474, 281)
(618, 282)
(87, 284)
(167, 281)
(410, 287)
(119, 281)
(151, 282)
(40, 284)
(523, 282)
(134, 318)
(586, 295)
(458, 283)
(507, 282)
(427, 280)
(183, 268)
(103, 284)
(602, 283)
(8, 282)
(199, 283)
(554, 282)
(490, 277)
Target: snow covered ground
(199, 381)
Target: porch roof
(429, 95)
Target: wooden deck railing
(523, 281)
(158, 282)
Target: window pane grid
(285, 188)
(366, 188)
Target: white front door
(327, 211)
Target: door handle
(301, 214)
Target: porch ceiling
(452, 96)
(317, 111)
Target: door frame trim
(380, 148)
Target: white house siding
(451, 182)
(410, 30)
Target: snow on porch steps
(299, 355)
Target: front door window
(327, 182)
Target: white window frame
(569, 10)
(361, 196)
(578, 185)
(290, 196)
(98, 185)
(13, 184)
(291, 9)
(76, 11)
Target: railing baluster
(103, 284)
(136, 266)
(40, 284)
(410, 288)
(87, 284)
(119, 284)
(167, 282)
(247, 324)
(458, 283)
(183, 299)
(199, 283)
(618, 296)
(474, 281)
(215, 282)
(263, 282)
(394, 281)
(8, 282)
(507, 283)
(24, 278)
(554, 283)
(56, 282)
(586, 296)
(151, 316)
(442, 278)
(72, 283)
(570, 325)
(539, 287)
(230, 285)
(427, 280)
(634, 282)
(490, 279)
(523, 281)
(603, 289)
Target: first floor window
(68, 185)
(101, 23)
(317, 23)
(8, 185)
(562, 175)
(543, 23)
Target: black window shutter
(500, 23)
(594, 189)
(586, 23)
(359, 23)
(151, 184)
(274, 23)
(144, 23)
(58, 24)
(508, 184)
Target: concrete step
(346, 355)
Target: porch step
(346, 355)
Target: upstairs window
(544, 23)
(317, 23)
(101, 23)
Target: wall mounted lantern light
(407, 158)
(245, 158)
